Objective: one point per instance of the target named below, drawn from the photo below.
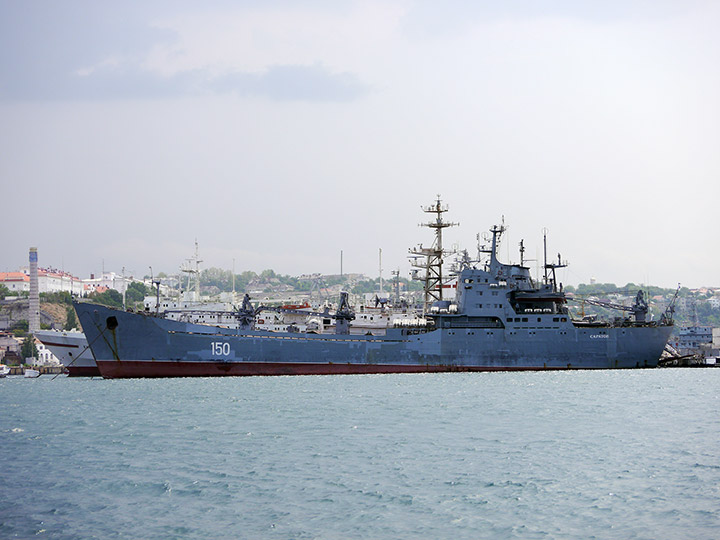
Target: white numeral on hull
(220, 348)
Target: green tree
(59, 297)
(244, 279)
(4, 291)
(136, 292)
(71, 319)
(216, 277)
(110, 298)
(267, 274)
(20, 328)
(28, 349)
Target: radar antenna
(551, 266)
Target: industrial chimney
(34, 316)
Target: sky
(281, 134)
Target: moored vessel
(71, 348)
(499, 319)
(31, 373)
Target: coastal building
(107, 280)
(15, 281)
(49, 280)
(44, 356)
(9, 347)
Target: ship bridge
(502, 290)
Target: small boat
(31, 373)
(4, 371)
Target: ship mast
(551, 266)
(196, 271)
(430, 259)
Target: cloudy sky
(279, 134)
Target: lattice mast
(430, 259)
(188, 269)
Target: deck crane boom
(639, 308)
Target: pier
(44, 370)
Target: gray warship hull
(499, 319)
(72, 351)
(128, 345)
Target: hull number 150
(220, 348)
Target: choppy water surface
(606, 454)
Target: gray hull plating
(500, 319)
(136, 345)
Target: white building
(44, 356)
(49, 281)
(108, 280)
(15, 281)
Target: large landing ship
(499, 319)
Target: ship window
(479, 305)
(480, 293)
(525, 319)
(556, 319)
(539, 319)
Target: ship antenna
(545, 265)
(433, 256)
(157, 294)
(380, 269)
(197, 273)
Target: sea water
(575, 454)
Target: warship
(70, 347)
(498, 319)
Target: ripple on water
(506, 455)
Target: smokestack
(34, 321)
